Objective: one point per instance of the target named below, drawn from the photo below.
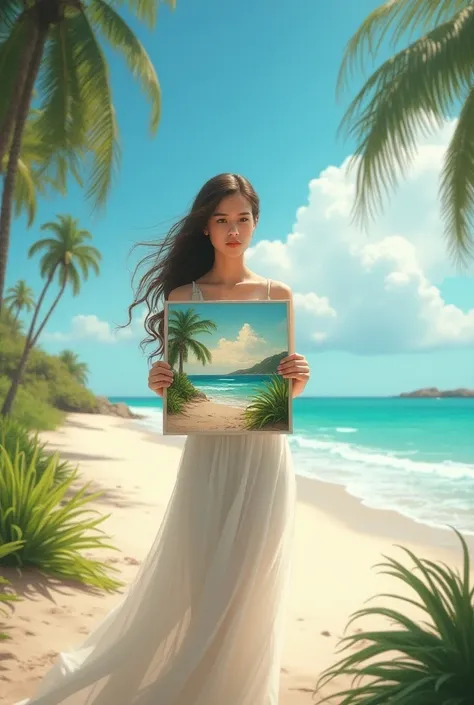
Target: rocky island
(268, 366)
(435, 393)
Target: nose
(233, 229)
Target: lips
(233, 244)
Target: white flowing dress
(202, 623)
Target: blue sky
(249, 87)
(246, 333)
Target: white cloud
(370, 292)
(90, 327)
(247, 349)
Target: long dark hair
(185, 254)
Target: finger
(295, 368)
(163, 384)
(157, 373)
(162, 364)
(293, 356)
(298, 377)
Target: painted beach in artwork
(225, 357)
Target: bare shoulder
(181, 293)
(280, 291)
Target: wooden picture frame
(239, 345)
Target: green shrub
(5, 549)
(183, 386)
(427, 663)
(53, 528)
(14, 436)
(30, 409)
(174, 402)
(270, 406)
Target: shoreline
(337, 540)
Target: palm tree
(31, 179)
(78, 370)
(20, 297)
(410, 94)
(183, 327)
(59, 42)
(66, 256)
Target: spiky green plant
(426, 663)
(14, 436)
(174, 401)
(53, 528)
(184, 387)
(270, 406)
(4, 597)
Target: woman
(202, 622)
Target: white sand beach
(337, 542)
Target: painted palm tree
(78, 370)
(412, 93)
(183, 328)
(56, 48)
(67, 256)
(20, 297)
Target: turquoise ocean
(415, 456)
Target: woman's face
(231, 226)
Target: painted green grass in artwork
(179, 393)
(270, 406)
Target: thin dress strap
(269, 284)
(196, 293)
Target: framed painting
(225, 356)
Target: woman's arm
(295, 366)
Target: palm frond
(404, 17)
(200, 352)
(409, 95)
(12, 47)
(117, 32)
(61, 118)
(145, 10)
(25, 191)
(94, 86)
(457, 186)
(10, 11)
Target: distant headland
(268, 366)
(435, 393)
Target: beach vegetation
(15, 437)
(180, 392)
(67, 257)
(409, 96)
(50, 520)
(269, 406)
(19, 298)
(183, 329)
(54, 51)
(427, 662)
(47, 390)
(77, 369)
(5, 597)
(174, 402)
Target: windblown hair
(185, 254)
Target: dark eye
(220, 220)
(244, 218)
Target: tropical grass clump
(427, 663)
(174, 402)
(270, 406)
(15, 437)
(180, 392)
(4, 597)
(53, 528)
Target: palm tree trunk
(181, 362)
(8, 123)
(12, 167)
(48, 315)
(11, 394)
